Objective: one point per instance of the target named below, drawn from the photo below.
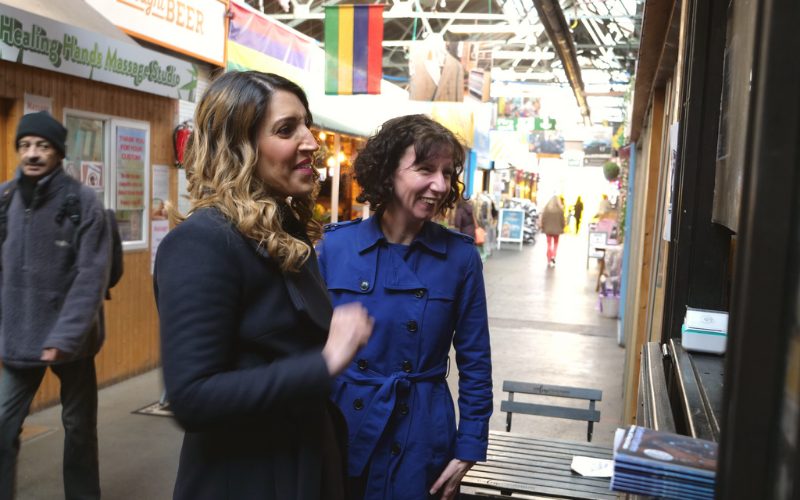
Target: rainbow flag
(353, 49)
(259, 43)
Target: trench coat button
(364, 285)
(362, 364)
(358, 404)
(419, 293)
(395, 448)
(407, 366)
(411, 326)
(402, 408)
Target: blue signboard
(509, 226)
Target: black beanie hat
(43, 125)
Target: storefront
(512, 164)
(119, 102)
(480, 156)
(337, 149)
(714, 225)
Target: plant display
(610, 171)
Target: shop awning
(72, 38)
(72, 12)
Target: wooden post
(337, 170)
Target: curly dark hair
(376, 163)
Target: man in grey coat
(54, 265)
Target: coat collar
(432, 236)
(306, 287)
(57, 177)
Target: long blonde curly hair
(221, 160)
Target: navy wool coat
(426, 298)
(241, 345)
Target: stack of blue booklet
(662, 464)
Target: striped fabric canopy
(353, 49)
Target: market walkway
(545, 328)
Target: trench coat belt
(366, 436)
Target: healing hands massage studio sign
(29, 39)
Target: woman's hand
(350, 329)
(451, 478)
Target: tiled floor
(545, 328)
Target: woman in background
(250, 343)
(423, 284)
(553, 227)
(578, 210)
(465, 218)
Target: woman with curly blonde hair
(250, 342)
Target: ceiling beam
(521, 54)
(444, 16)
(606, 94)
(621, 45)
(493, 22)
(552, 17)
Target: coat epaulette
(465, 237)
(333, 226)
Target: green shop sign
(29, 39)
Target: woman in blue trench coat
(423, 284)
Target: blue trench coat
(424, 297)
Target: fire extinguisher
(180, 139)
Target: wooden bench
(590, 415)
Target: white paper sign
(674, 129)
(597, 244)
(183, 193)
(158, 229)
(160, 192)
(592, 467)
(92, 174)
(161, 182)
(36, 103)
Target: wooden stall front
(131, 345)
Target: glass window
(113, 157)
(86, 152)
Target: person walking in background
(424, 286)
(553, 227)
(53, 275)
(578, 211)
(603, 207)
(465, 218)
(250, 343)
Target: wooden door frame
(764, 296)
(698, 256)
